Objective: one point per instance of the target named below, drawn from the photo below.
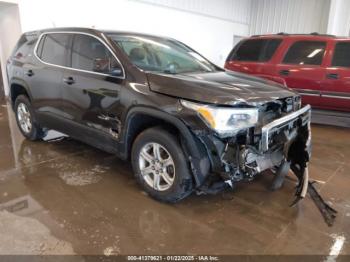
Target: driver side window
(90, 54)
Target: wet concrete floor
(63, 197)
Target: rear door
(45, 76)
(303, 70)
(335, 94)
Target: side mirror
(106, 66)
(116, 72)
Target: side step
(327, 117)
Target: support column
(339, 18)
(10, 31)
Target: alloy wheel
(157, 166)
(24, 118)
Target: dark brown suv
(186, 124)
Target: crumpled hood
(225, 88)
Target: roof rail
(280, 33)
(318, 34)
(286, 34)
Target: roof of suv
(91, 30)
(314, 36)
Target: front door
(335, 93)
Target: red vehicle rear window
(255, 50)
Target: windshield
(162, 55)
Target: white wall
(207, 26)
(289, 16)
(339, 18)
(236, 11)
(10, 30)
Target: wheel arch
(18, 87)
(140, 118)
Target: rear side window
(90, 54)
(255, 50)
(305, 53)
(53, 48)
(341, 55)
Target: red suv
(317, 66)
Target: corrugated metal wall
(290, 16)
(237, 11)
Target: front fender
(276, 79)
(194, 149)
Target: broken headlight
(224, 120)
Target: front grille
(288, 105)
(269, 112)
(276, 109)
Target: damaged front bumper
(280, 145)
(303, 114)
(297, 148)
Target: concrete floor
(63, 197)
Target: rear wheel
(160, 166)
(26, 120)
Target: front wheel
(26, 120)
(160, 165)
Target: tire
(179, 182)
(26, 121)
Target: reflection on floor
(62, 196)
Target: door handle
(332, 76)
(69, 80)
(284, 72)
(29, 72)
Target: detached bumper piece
(328, 213)
(298, 157)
